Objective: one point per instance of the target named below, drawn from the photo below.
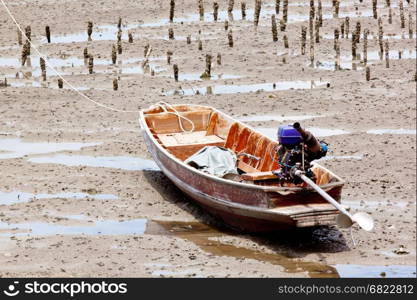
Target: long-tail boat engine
(297, 149)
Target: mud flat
(80, 195)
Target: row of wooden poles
(315, 22)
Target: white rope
(163, 105)
(57, 73)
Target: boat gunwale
(146, 128)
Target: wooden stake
(399, 54)
(342, 30)
(375, 13)
(171, 11)
(277, 2)
(115, 84)
(60, 83)
(286, 42)
(358, 31)
(85, 53)
(312, 10)
(43, 68)
(410, 24)
(285, 11)
(175, 67)
(215, 10)
(200, 45)
(28, 32)
(258, 5)
(89, 30)
(25, 52)
(365, 46)
(90, 64)
(119, 47)
(303, 39)
(386, 54)
(336, 38)
(208, 66)
(282, 25)
(130, 37)
(347, 27)
(243, 10)
(169, 55)
(317, 27)
(336, 9)
(320, 13)
(48, 34)
(188, 39)
(226, 25)
(171, 33)
(380, 39)
(119, 23)
(113, 54)
(19, 37)
(230, 38)
(119, 35)
(201, 9)
(274, 29)
(230, 9)
(219, 59)
(401, 5)
(368, 73)
(353, 45)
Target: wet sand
(80, 196)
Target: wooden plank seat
(185, 144)
(254, 176)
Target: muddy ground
(99, 216)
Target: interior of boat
(202, 126)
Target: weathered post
(219, 59)
(401, 5)
(89, 30)
(243, 9)
(113, 54)
(119, 35)
(342, 29)
(215, 10)
(226, 25)
(19, 37)
(286, 46)
(320, 13)
(282, 25)
(43, 68)
(130, 37)
(207, 72)
(230, 38)
(375, 13)
(28, 32)
(171, 11)
(230, 9)
(337, 62)
(358, 31)
(200, 45)
(410, 24)
(317, 27)
(347, 27)
(90, 64)
(368, 73)
(380, 38)
(336, 38)
(25, 52)
(386, 54)
(353, 46)
(390, 16)
(188, 39)
(115, 84)
(277, 2)
(169, 55)
(48, 34)
(201, 9)
(336, 9)
(119, 23)
(60, 83)
(119, 47)
(285, 11)
(258, 4)
(365, 46)
(303, 39)
(175, 67)
(274, 29)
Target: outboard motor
(297, 149)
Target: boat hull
(243, 207)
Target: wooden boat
(254, 201)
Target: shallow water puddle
(248, 88)
(266, 118)
(128, 163)
(374, 204)
(18, 196)
(108, 227)
(15, 148)
(352, 271)
(392, 131)
(197, 77)
(318, 132)
(336, 157)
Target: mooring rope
(57, 73)
(163, 105)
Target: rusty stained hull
(241, 206)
